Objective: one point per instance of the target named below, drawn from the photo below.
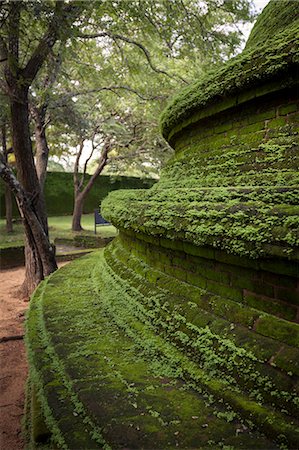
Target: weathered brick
(225, 291)
(168, 243)
(270, 306)
(204, 252)
(228, 258)
(275, 123)
(256, 286)
(278, 329)
(215, 275)
(283, 110)
(281, 267)
(279, 280)
(288, 295)
(196, 280)
(261, 117)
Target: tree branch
(64, 15)
(145, 51)
(105, 88)
(13, 33)
(102, 163)
(76, 166)
(88, 159)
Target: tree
(96, 82)
(29, 33)
(20, 64)
(6, 151)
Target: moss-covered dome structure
(184, 332)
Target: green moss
(257, 64)
(283, 110)
(39, 429)
(239, 220)
(271, 306)
(273, 19)
(279, 329)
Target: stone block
(225, 291)
(278, 329)
(203, 252)
(196, 280)
(270, 306)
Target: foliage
(125, 92)
(59, 185)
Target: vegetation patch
(243, 221)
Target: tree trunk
(8, 209)
(7, 192)
(79, 196)
(78, 211)
(42, 149)
(39, 254)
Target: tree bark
(7, 192)
(39, 255)
(42, 149)
(8, 209)
(77, 212)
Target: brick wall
(239, 279)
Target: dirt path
(13, 364)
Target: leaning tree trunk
(7, 191)
(80, 196)
(8, 209)
(39, 254)
(42, 149)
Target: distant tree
(6, 150)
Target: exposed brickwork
(230, 141)
(275, 293)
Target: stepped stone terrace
(183, 332)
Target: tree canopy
(106, 66)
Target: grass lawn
(59, 227)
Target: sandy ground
(13, 368)
(13, 364)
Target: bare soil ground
(13, 363)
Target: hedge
(59, 192)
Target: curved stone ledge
(115, 367)
(254, 222)
(264, 67)
(197, 299)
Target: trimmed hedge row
(59, 192)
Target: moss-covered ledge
(250, 222)
(264, 67)
(112, 367)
